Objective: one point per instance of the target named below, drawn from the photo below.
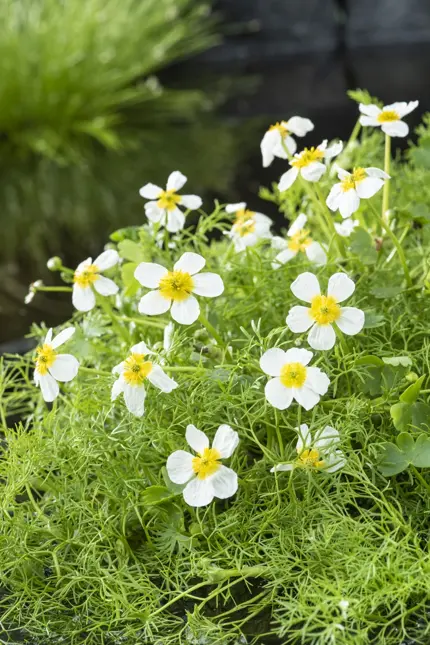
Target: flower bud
(55, 263)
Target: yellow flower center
(387, 116)
(207, 463)
(307, 156)
(168, 199)
(324, 309)
(310, 458)
(281, 129)
(46, 356)
(243, 214)
(176, 285)
(87, 276)
(244, 227)
(357, 175)
(299, 241)
(293, 374)
(136, 369)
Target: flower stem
(329, 222)
(53, 288)
(421, 478)
(387, 159)
(213, 332)
(143, 321)
(385, 225)
(107, 308)
(354, 134)
(93, 370)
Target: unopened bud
(411, 377)
(55, 263)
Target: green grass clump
(97, 544)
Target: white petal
(155, 214)
(290, 145)
(322, 337)
(395, 128)
(340, 287)
(149, 274)
(60, 338)
(176, 180)
(326, 438)
(306, 397)
(180, 467)
(175, 220)
(198, 492)
(314, 171)
(140, 348)
(369, 121)
(192, 202)
(49, 387)
(224, 482)
(348, 202)
(83, 299)
(190, 262)
(299, 126)
(118, 369)
(299, 320)
(160, 379)
(150, 191)
(304, 439)
(368, 187)
(287, 179)
(277, 394)
(105, 286)
(376, 172)
(346, 227)
(117, 389)
(225, 441)
(209, 285)
(153, 304)
(369, 110)
(341, 173)
(106, 260)
(335, 462)
(402, 108)
(83, 265)
(233, 208)
(281, 467)
(283, 257)
(262, 220)
(306, 286)
(48, 337)
(334, 197)
(412, 105)
(351, 320)
(334, 150)
(64, 368)
(268, 143)
(273, 361)
(134, 397)
(298, 355)
(317, 380)
(196, 439)
(316, 254)
(298, 224)
(185, 312)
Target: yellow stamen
(299, 241)
(46, 356)
(86, 276)
(387, 116)
(310, 459)
(281, 129)
(168, 199)
(207, 463)
(293, 374)
(324, 309)
(244, 228)
(176, 285)
(307, 156)
(136, 369)
(350, 182)
(243, 214)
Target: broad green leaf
(155, 494)
(410, 395)
(385, 292)
(373, 319)
(406, 416)
(421, 456)
(406, 443)
(393, 461)
(363, 246)
(130, 283)
(395, 361)
(370, 359)
(130, 250)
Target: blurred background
(98, 97)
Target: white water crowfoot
(52, 367)
(389, 118)
(174, 289)
(345, 228)
(133, 372)
(309, 164)
(204, 475)
(299, 242)
(249, 227)
(278, 142)
(324, 310)
(87, 279)
(362, 183)
(163, 209)
(317, 453)
(293, 379)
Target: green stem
(107, 308)
(330, 223)
(354, 134)
(53, 288)
(93, 370)
(385, 225)
(143, 321)
(421, 478)
(213, 332)
(386, 193)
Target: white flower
(293, 379)
(175, 288)
(204, 475)
(88, 278)
(300, 241)
(324, 310)
(278, 136)
(389, 119)
(309, 164)
(319, 453)
(249, 227)
(362, 183)
(345, 228)
(164, 209)
(52, 367)
(32, 290)
(132, 375)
